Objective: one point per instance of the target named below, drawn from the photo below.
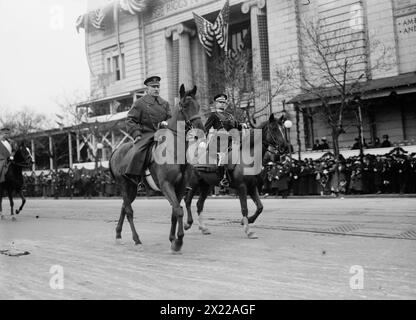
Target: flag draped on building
(133, 6)
(208, 32)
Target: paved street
(307, 249)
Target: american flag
(220, 26)
(205, 33)
(218, 30)
(133, 6)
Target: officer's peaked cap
(152, 81)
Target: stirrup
(141, 186)
(225, 183)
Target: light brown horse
(170, 178)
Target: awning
(372, 89)
(110, 98)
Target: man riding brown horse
(147, 115)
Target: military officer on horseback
(147, 115)
(222, 121)
(5, 152)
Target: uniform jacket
(221, 120)
(143, 120)
(146, 114)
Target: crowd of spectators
(390, 173)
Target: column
(51, 152)
(183, 35)
(78, 150)
(261, 86)
(33, 154)
(70, 150)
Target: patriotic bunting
(208, 32)
(100, 17)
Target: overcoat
(143, 120)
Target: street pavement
(306, 249)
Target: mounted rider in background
(5, 152)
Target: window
(114, 64)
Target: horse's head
(273, 135)
(22, 156)
(189, 109)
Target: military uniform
(5, 154)
(143, 120)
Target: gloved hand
(138, 138)
(163, 124)
(244, 126)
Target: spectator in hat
(146, 116)
(386, 143)
(324, 144)
(316, 145)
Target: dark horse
(203, 180)
(22, 158)
(170, 178)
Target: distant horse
(169, 178)
(22, 158)
(204, 180)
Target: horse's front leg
(22, 196)
(10, 195)
(177, 217)
(242, 194)
(188, 203)
(1, 201)
(254, 194)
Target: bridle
(189, 122)
(274, 143)
(20, 164)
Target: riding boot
(132, 178)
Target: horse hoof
(14, 219)
(187, 227)
(138, 243)
(1, 217)
(252, 235)
(205, 231)
(120, 242)
(176, 246)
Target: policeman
(5, 152)
(146, 116)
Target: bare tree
(24, 121)
(334, 69)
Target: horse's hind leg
(254, 194)
(23, 202)
(205, 189)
